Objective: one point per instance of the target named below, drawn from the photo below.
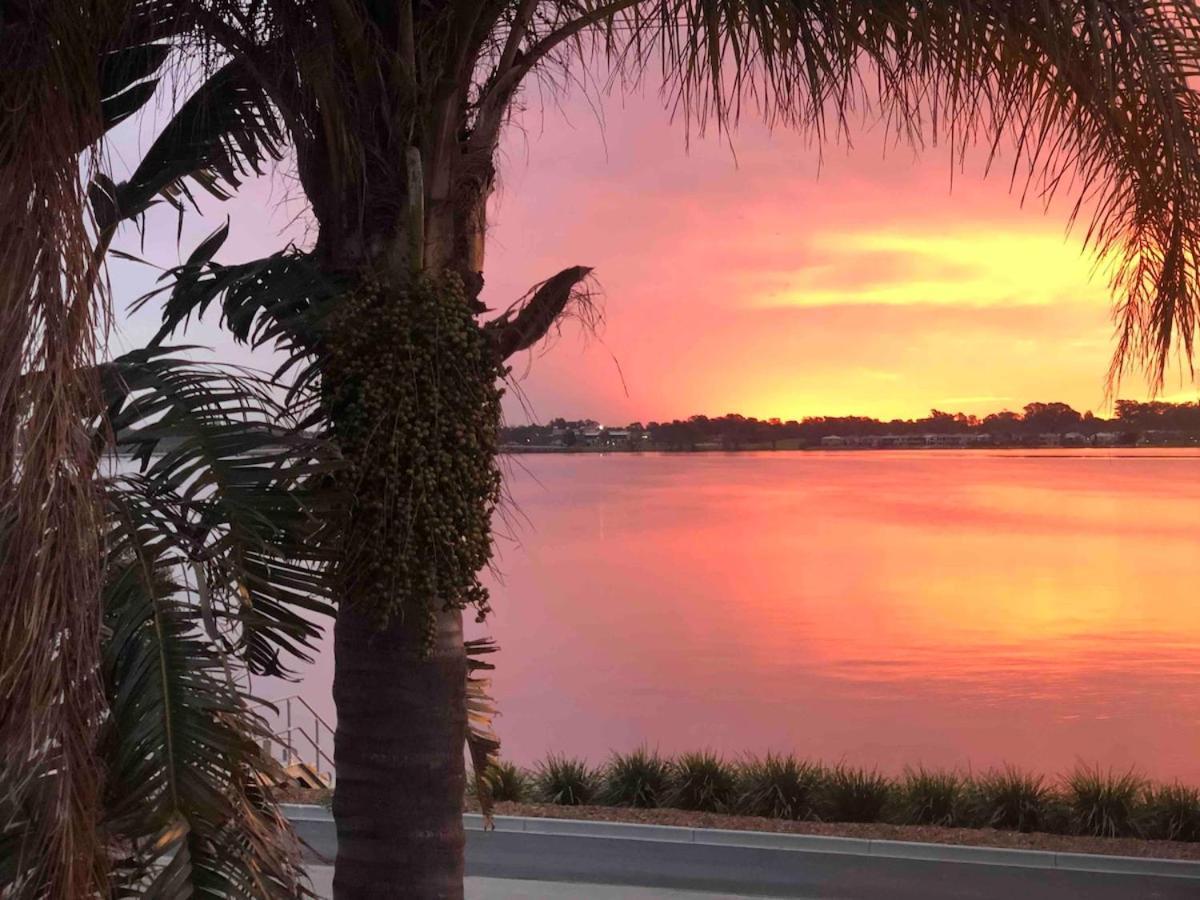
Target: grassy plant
(1011, 799)
(857, 795)
(641, 778)
(1104, 804)
(931, 798)
(780, 787)
(509, 782)
(703, 781)
(1172, 813)
(565, 781)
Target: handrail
(299, 699)
(316, 747)
(283, 737)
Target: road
(775, 873)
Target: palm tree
(134, 604)
(394, 112)
(210, 552)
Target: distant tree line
(1132, 421)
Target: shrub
(931, 798)
(780, 787)
(508, 782)
(1104, 804)
(1011, 799)
(703, 781)
(1172, 813)
(857, 795)
(565, 781)
(641, 778)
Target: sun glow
(976, 268)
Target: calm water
(883, 608)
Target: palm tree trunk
(399, 753)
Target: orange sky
(767, 284)
(773, 286)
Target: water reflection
(890, 608)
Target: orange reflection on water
(884, 608)
(890, 608)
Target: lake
(882, 608)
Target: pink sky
(767, 284)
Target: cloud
(975, 266)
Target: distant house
(591, 435)
(833, 440)
(615, 437)
(956, 440)
(907, 441)
(945, 440)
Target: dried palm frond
(482, 742)
(51, 308)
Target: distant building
(945, 440)
(591, 435)
(616, 435)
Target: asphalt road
(775, 873)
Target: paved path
(510, 864)
(826, 876)
(477, 888)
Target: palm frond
(224, 132)
(482, 742)
(188, 812)
(279, 300)
(126, 79)
(52, 310)
(237, 490)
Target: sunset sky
(749, 275)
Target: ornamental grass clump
(780, 787)
(508, 782)
(1104, 804)
(564, 781)
(704, 782)
(1172, 813)
(857, 795)
(1012, 800)
(931, 798)
(641, 779)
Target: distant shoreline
(1081, 450)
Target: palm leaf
(278, 300)
(224, 132)
(238, 492)
(186, 808)
(126, 81)
(482, 742)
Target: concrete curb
(804, 843)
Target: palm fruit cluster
(412, 386)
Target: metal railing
(292, 742)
